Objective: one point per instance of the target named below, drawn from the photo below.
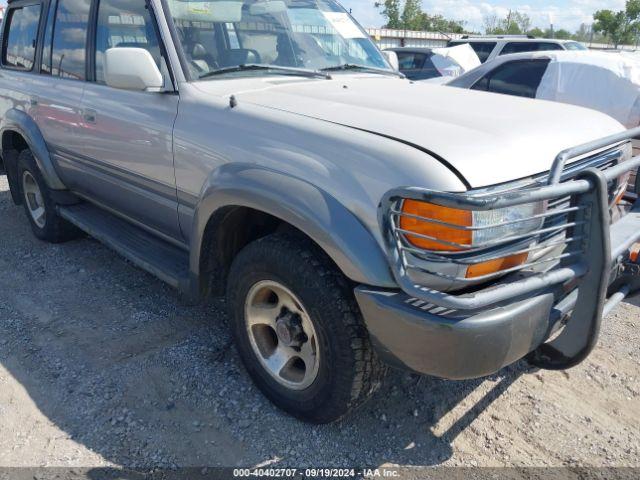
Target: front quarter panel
(315, 172)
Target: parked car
(426, 63)
(608, 82)
(490, 47)
(265, 150)
(605, 81)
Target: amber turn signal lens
(497, 265)
(463, 218)
(623, 184)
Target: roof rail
(465, 37)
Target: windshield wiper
(304, 72)
(362, 68)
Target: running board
(160, 258)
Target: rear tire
(341, 370)
(40, 208)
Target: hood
(464, 55)
(488, 138)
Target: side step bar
(158, 257)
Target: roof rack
(465, 37)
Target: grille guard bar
(589, 188)
(605, 246)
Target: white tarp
(605, 81)
(463, 55)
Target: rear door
(56, 93)
(127, 144)
(19, 40)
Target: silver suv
(265, 150)
(489, 47)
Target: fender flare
(18, 121)
(311, 210)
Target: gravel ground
(100, 365)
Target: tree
(584, 33)
(536, 32)
(413, 18)
(412, 15)
(620, 27)
(490, 23)
(563, 34)
(521, 20)
(438, 23)
(515, 23)
(391, 11)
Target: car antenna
(233, 103)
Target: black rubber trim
(177, 44)
(91, 42)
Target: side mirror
(392, 58)
(132, 69)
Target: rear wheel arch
(20, 131)
(12, 144)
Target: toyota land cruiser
(265, 150)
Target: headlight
(445, 229)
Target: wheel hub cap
(33, 199)
(289, 330)
(282, 335)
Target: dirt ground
(101, 366)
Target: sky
(568, 14)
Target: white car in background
(436, 65)
(605, 81)
(488, 47)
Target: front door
(127, 136)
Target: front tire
(299, 331)
(40, 208)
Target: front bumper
(407, 337)
(476, 334)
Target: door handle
(89, 115)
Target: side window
(574, 46)
(417, 66)
(548, 46)
(410, 60)
(19, 49)
(482, 49)
(520, 78)
(519, 47)
(70, 39)
(124, 23)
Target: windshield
(302, 34)
(575, 46)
